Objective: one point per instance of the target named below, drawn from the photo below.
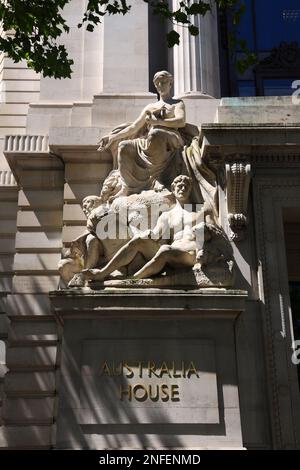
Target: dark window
(268, 26)
(291, 219)
(246, 88)
(277, 86)
(295, 306)
(246, 27)
(276, 21)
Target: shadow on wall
(28, 402)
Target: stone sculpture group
(156, 220)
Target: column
(196, 59)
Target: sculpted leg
(68, 268)
(94, 251)
(124, 257)
(166, 255)
(156, 264)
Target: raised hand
(105, 142)
(151, 119)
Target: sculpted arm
(177, 121)
(161, 228)
(123, 134)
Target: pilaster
(29, 386)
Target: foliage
(33, 28)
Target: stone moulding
(119, 302)
(7, 178)
(26, 143)
(243, 148)
(29, 151)
(238, 175)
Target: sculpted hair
(162, 73)
(181, 178)
(95, 199)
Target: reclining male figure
(174, 240)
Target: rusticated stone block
(26, 437)
(33, 330)
(30, 381)
(20, 409)
(40, 199)
(30, 262)
(38, 241)
(75, 192)
(31, 284)
(73, 213)
(42, 179)
(31, 356)
(39, 219)
(28, 304)
(87, 172)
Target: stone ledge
(28, 422)
(120, 302)
(30, 151)
(257, 101)
(79, 137)
(147, 95)
(31, 318)
(29, 393)
(31, 368)
(229, 142)
(251, 125)
(28, 343)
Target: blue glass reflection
(246, 88)
(245, 28)
(276, 21)
(278, 86)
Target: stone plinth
(148, 368)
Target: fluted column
(196, 59)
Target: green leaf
(39, 25)
(90, 27)
(180, 17)
(194, 31)
(173, 38)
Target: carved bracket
(238, 175)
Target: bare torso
(164, 109)
(181, 222)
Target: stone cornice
(161, 303)
(253, 140)
(261, 145)
(29, 152)
(240, 149)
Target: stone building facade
(49, 162)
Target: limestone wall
(18, 87)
